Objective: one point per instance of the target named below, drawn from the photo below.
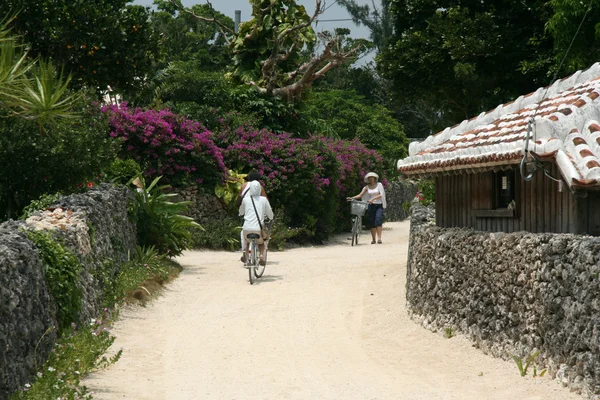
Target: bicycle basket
(358, 208)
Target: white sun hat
(371, 174)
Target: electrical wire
(537, 164)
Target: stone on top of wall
(513, 294)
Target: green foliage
(448, 333)
(406, 207)
(77, 353)
(254, 42)
(43, 202)
(121, 171)
(63, 158)
(562, 26)
(31, 89)
(62, 274)
(159, 221)
(350, 116)
(221, 234)
(282, 233)
(184, 37)
(455, 60)
(144, 264)
(215, 100)
(104, 42)
(523, 363)
(378, 20)
(427, 189)
(230, 189)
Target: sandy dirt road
(326, 322)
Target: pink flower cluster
(167, 144)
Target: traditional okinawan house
(482, 180)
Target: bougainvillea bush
(166, 144)
(308, 178)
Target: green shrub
(282, 232)
(66, 156)
(427, 189)
(144, 264)
(159, 221)
(121, 171)
(221, 234)
(62, 274)
(45, 201)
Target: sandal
(373, 242)
(243, 259)
(379, 242)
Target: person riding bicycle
(253, 175)
(254, 208)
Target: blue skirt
(375, 213)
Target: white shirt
(380, 190)
(247, 210)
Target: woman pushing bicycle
(374, 193)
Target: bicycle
(253, 259)
(255, 270)
(357, 209)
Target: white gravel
(325, 322)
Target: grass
(524, 362)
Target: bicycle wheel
(358, 228)
(260, 269)
(252, 262)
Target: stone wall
(398, 193)
(512, 294)
(27, 309)
(96, 228)
(204, 207)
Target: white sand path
(325, 322)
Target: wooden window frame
(501, 212)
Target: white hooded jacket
(263, 207)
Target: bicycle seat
(253, 236)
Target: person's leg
(247, 252)
(242, 241)
(379, 222)
(261, 248)
(371, 212)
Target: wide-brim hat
(371, 174)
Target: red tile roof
(565, 127)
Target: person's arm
(358, 196)
(242, 210)
(262, 191)
(241, 194)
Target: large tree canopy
(185, 37)
(267, 50)
(566, 18)
(102, 42)
(458, 58)
(379, 20)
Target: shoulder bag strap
(257, 217)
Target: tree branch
(319, 10)
(213, 20)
